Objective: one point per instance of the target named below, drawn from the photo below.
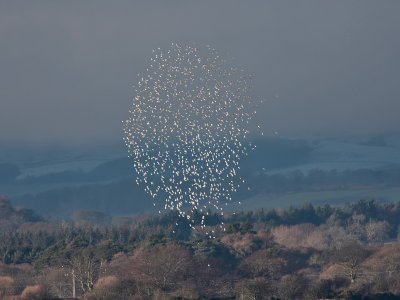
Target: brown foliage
(383, 268)
(262, 263)
(308, 235)
(336, 237)
(386, 258)
(163, 267)
(112, 288)
(58, 281)
(350, 259)
(329, 288)
(257, 288)
(331, 271)
(22, 275)
(300, 236)
(107, 281)
(33, 292)
(377, 232)
(6, 286)
(241, 244)
(293, 286)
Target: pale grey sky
(67, 67)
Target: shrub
(6, 286)
(33, 292)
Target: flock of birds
(188, 130)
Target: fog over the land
(324, 67)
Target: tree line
(306, 252)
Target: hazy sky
(67, 67)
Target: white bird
(187, 129)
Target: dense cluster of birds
(188, 129)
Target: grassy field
(333, 197)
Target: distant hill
(58, 182)
(12, 217)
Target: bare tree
(241, 244)
(58, 281)
(350, 258)
(262, 264)
(84, 271)
(163, 267)
(255, 289)
(377, 232)
(293, 287)
(356, 227)
(300, 236)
